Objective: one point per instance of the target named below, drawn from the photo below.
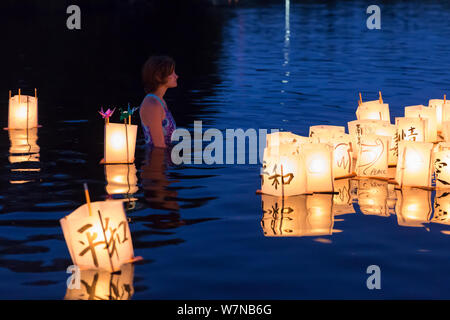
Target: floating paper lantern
(439, 105)
(389, 130)
(423, 112)
(411, 129)
(297, 216)
(342, 156)
(121, 179)
(98, 236)
(102, 285)
(343, 199)
(414, 164)
(23, 112)
(441, 207)
(319, 167)
(120, 143)
(373, 110)
(359, 128)
(372, 197)
(445, 126)
(441, 163)
(283, 171)
(274, 140)
(373, 156)
(413, 207)
(325, 132)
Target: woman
(158, 75)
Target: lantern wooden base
(423, 188)
(352, 175)
(310, 193)
(103, 162)
(39, 126)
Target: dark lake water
(201, 228)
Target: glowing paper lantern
(343, 200)
(439, 106)
(373, 156)
(446, 130)
(441, 207)
(414, 164)
(319, 167)
(389, 130)
(413, 207)
(283, 171)
(342, 156)
(102, 285)
(372, 197)
(373, 110)
(359, 128)
(100, 239)
(441, 164)
(297, 216)
(325, 132)
(120, 142)
(423, 112)
(23, 112)
(121, 178)
(411, 129)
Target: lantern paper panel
(414, 164)
(23, 112)
(325, 133)
(297, 216)
(343, 199)
(275, 139)
(441, 164)
(373, 110)
(446, 130)
(373, 156)
(319, 167)
(101, 240)
(413, 207)
(390, 130)
(359, 128)
(372, 197)
(283, 171)
(441, 207)
(121, 178)
(102, 285)
(120, 142)
(342, 156)
(423, 112)
(411, 129)
(438, 106)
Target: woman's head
(159, 71)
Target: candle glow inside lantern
(373, 156)
(23, 112)
(102, 285)
(325, 133)
(441, 163)
(414, 164)
(373, 110)
(439, 105)
(423, 112)
(319, 167)
(283, 171)
(98, 236)
(413, 207)
(121, 179)
(372, 197)
(411, 129)
(120, 143)
(297, 216)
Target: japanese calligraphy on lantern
(423, 112)
(373, 156)
(441, 164)
(411, 129)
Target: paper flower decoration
(106, 114)
(127, 113)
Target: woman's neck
(160, 92)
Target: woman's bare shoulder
(150, 102)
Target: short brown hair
(155, 72)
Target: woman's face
(172, 80)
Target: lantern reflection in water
(24, 155)
(98, 236)
(441, 207)
(297, 216)
(23, 112)
(413, 207)
(121, 178)
(423, 112)
(373, 156)
(372, 197)
(343, 200)
(414, 164)
(102, 285)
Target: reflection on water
(413, 207)
(24, 155)
(442, 207)
(372, 197)
(343, 200)
(102, 285)
(297, 216)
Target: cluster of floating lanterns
(97, 233)
(387, 167)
